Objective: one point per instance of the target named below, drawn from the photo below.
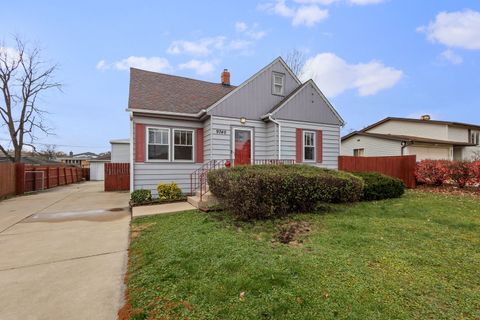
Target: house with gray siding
(180, 126)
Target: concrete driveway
(63, 253)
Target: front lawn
(417, 257)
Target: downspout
(404, 144)
(211, 138)
(279, 136)
(131, 152)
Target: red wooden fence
(7, 179)
(117, 176)
(402, 167)
(35, 178)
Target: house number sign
(221, 131)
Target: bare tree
(24, 77)
(48, 152)
(295, 59)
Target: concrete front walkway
(161, 209)
(63, 253)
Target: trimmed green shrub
(378, 186)
(169, 191)
(140, 196)
(270, 191)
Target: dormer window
(278, 83)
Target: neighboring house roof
(120, 141)
(32, 160)
(405, 138)
(85, 154)
(450, 123)
(154, 91)
(103, 158)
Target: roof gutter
(169, 113)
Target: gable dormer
(260, 93)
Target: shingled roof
(154, 91)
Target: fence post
(20, 178)
(47, 171)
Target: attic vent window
(278, 83)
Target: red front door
(243, 147)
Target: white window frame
(314, 146)
(148, 143)
(358, 149)
(282, 76)
(251, 143)
(173, 145)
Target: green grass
(417, 257)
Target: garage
(97, 169)
(431, 152)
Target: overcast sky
(372, 58)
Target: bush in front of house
(378, 186)
(271, 191)
(432, 172)
(169, 191)
(462, 173)
(140, 196)
(445, 172)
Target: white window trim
(358, 149)
(314, 146)
(251, 142)
(193, 145)
(282, 93)
(148, 143)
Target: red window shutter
(199, 145)
(299, 146)
(139, 142)
(319, 146)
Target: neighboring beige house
(425, 138)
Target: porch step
(197, 193)
(208, 201)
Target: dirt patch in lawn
(291, 233)
(136, 230)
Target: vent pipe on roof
(225, 77)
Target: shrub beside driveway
(410, 258)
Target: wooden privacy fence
(31, 178)
(7, 179)
(402, 167)
(117, 176)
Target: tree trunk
(18, 155)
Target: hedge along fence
(378, 186)
(270, 191)
(445, 172)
